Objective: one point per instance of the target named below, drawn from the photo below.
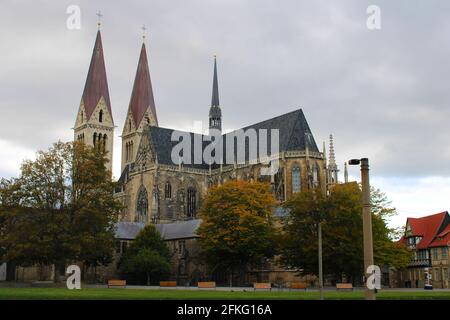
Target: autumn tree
(237, 229)
(340, 214)
(148, 255)
(60, 209)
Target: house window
(168, 190)
(435, 254)
(191, 202)
(100, 116)
(444, 253)
(437, 275)
(142, 206)
(296, 179)
(95, 139)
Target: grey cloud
(384, 94)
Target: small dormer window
(100, 116)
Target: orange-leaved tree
(237, 231)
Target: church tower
(215, 113)
(141, 110)
(94, 124)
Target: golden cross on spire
(99, 19)
(144, 29)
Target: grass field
(139, 294)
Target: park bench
(117, 283)
(344, 286)
(167, 283)
(207, 285)
(298, 285)
(262, 285)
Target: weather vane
(99, 20)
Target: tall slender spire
(94, 124)
(96, 86)
(215, 112)
(215, 89)
(332, 156)
(142, 95)
(332, 166)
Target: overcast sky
(383, 94)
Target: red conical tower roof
(96, 83)
(142, 95)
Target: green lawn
(136, 294)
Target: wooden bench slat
(344, 286)
(206, 285)
(167, 283)
(262, 285)
(299, 285)
(117, 283)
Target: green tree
(387, 251)
(60, 209)
(237, 229)
(94, 210)
(341, 217)
(147, 255)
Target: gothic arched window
(142, 205)
(168, 190)
(131, 150)
(191, 208)
(316, 174)
(100, 116)
(279, 184)
(95, 139)
(296, 181)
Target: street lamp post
(367, 219)
(320, 260)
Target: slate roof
(294, 134)
(142, 94)
(179, 230)
(168, 231)
(96, 85)
(128, 230)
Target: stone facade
(97, 130)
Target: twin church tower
(94, 123)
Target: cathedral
(155, 189)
